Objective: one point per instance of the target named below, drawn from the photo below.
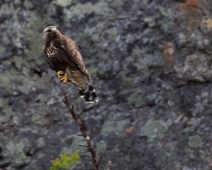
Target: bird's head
(50, 32)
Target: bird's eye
(49, 30)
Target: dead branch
(83, 128)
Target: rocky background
(150, 61)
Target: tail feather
(89, 95)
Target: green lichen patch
(87, 8)
(28, 4)
(101, 147)
(21, 160)
(2, 50)
(15, 147)
(136, 99)
(152, 128)
(78, 140)
(64, 3)
(195, 141)
(113, 127)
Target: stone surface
(150, 62)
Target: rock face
(150, 62)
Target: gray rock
(150, 63)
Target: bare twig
(83, 128)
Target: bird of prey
(64, 58)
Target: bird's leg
(61, 75)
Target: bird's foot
(60, 74)
(62, 77)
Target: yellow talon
(64, 79)
(60, 74)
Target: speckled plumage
(64, 57)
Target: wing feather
(72, 51)
(49, 60)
